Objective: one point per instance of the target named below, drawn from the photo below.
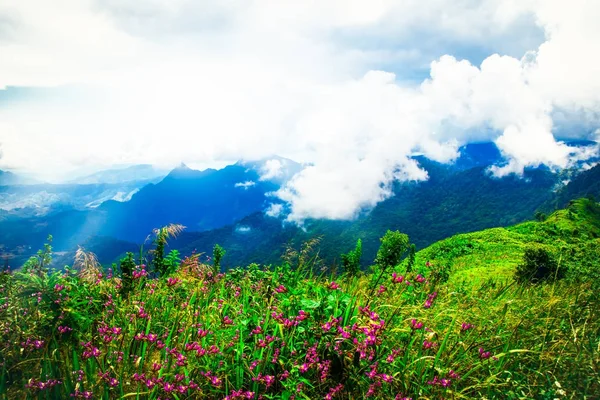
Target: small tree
(172, 261)
(540, 216)
(351, 260)
(538, 265)
(393, 246)
(218, 253)
(162, 235)
(39, 263)
(127, 266)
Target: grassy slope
(494, 253)
(523, 342)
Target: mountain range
(114, 211)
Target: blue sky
(352, 87)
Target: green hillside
(571, 234)
(159, 327)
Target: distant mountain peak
(137, 172)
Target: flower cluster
(89, 350)
(35, 384)
(430, 298)
(139, 272)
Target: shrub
(218, 253)
(351, 260)
(393, 246)
(127, 266)
(538, 265)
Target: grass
(291, 332)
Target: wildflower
(420, 278)
(415, 325)
(484, 354)
(215, 381)
(168, 387)
(172, 281)
(333, 286)
(429, 345)
(82, 395)
(333, 391)
(397, 278)
(381, 290)
(465, 327)
(281, 289)
(227, 320)
(64, 329)
(439, 382)
(373, 389)
(89, 351)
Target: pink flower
(465, 327)
(64, 329)
(415, 324)
(173, 281)
(281, 289)
(484, 354)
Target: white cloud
(271, 169)
(243, 229)
(205, 82)
(245, 185)
(274, 210)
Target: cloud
(334, 84)
(271, 169)
(242, 229)
(245, 185)
(274, 210)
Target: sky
(351, 88)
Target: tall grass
(286, 332)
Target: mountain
(572, 234)
(142, 172)
(200, 200)
(478, 155)
(10, 178)
(226, 206)
(584, 184)
(43, 199)
(449, 202)
(274, 169)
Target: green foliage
(172, 261)
(127, 265)
(393, 246)
(218, 253)
(39, 263)
(411, 257)
(351, 260)
(161, 237)
(540, 216)
(584, 266)
(538, 266)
